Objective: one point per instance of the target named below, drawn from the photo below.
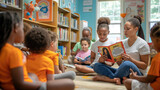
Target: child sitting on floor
(83, 56)
(50, 53)
(152, 80)
(37, 40)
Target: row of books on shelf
(62, 34)
(63, 20)
(73, 36)
(15, 3)
(63, 50)
(40, 26)
(74, 23)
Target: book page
(117, 49)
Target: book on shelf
(73, 36)
(62, 34)
(74, 23)
(83, 59)
(62, 20)
(15, 3)
(63, 50)
(113, 52)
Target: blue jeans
(122, 71)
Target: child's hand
(132, 74)
(103, 58)
(77, 61)
(126, 57)
(87, 62)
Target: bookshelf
(12, 6)
(61, 24)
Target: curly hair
(37, 40)
(103, 22)
(85, 39)
(155, 30)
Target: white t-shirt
(94, 48)
(140, 47)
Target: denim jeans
(122, 71)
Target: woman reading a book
(136, 57)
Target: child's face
(130, 30)
(84, 45)
(86, 33)
(156, 43)
(19, 33)
(53, 46)
(102, 34)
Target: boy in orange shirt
(152, 80)
(37, 40)
(54, 57)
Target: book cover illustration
(84, 59)
(46, 10)
(113, 52)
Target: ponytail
(140, 31)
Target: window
(111, 9)
(154, 13)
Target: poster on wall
(46, 10)
(87, 2)
(134, 7)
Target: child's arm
(92, 56)
(76, 61)
(87, 62)
(50, 77)
(61, 67)
(56, 69)
(18, 80)
(145, 79)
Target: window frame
(121, 19)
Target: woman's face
(84, 45)
(102, 34)
(86, 33)
(130, 30)
(19, 33)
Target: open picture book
(113, 52)
(84, 59)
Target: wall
(88, 16)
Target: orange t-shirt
(40, 65)
(155, 71)
(53, 56)
(10, 58)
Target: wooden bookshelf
(12, 8)
(75, 29)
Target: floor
(85, 82)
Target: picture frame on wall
(45, 14)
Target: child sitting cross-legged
(51, 53)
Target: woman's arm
(18, 80)
(142, 64)
(92, 56)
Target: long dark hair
(7, 23)
(108, 55)
(136, 22)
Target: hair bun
(139, 18)
(104, 20)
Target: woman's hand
(132, 74)
(126, 57)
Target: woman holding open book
(136, 57)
